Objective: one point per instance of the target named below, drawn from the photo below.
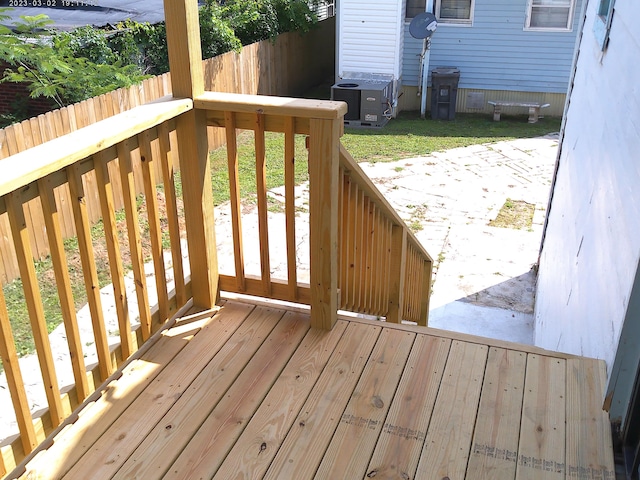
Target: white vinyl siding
(370, 36)
(555, 15)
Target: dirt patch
(516, 214)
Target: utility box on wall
(369, 102)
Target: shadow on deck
(251, 391)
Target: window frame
(463, 22)
(602, 23)
(567, 28)
(406, 8)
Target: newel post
(396, 277)
(324, 158)
(187, 81)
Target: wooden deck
(253, 392)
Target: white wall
(370, 38)
(592, 243)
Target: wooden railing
(384, 270)
(99, 157)
(362, 256)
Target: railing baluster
(343, 237)
(425, 289)
(378, 274)
(105, 193)
(234, 195)
(397, 273)
(85, 248)
(359, 258)
(168, 178)
(408, 299)
(33, 300)
(148, 152)
(366, 244)
(14, 380)
(65, 295)
(290, 205)
(353, 245)
(135, 242)
(261, 192)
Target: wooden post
(324, 154)
(427, 270)
(396, 282)
(185, 62)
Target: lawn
(403, 137)
(410, 136)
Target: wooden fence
(289, 66)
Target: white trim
(462, 22)
(602, 25)
(568, 28)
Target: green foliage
(255, 20)
(69, 67)
(49, 62)
(142, 44)
(216, 35)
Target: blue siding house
(512, 50)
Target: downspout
(424, 74)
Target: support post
(324, 155)
(187, 80)
(398, 266)
(425, 289)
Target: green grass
(410, 136)
(247, 165)
(14, 293)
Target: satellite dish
(423, 25)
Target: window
(415, 7)
(602, 25)
(454, 11)
(550, 15)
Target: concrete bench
(534, 109)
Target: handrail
(25, 167)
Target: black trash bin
(444, 91)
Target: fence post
(187, 80)
(324, 157)
(396, 280)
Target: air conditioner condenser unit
(369, 102)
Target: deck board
(361, 423)
(398, 449)
(208, 447)
(253, 392)
(448, 443)
(542, 429)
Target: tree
(47, 62)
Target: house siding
(591, 250)
(496, 53)
(370, 38)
